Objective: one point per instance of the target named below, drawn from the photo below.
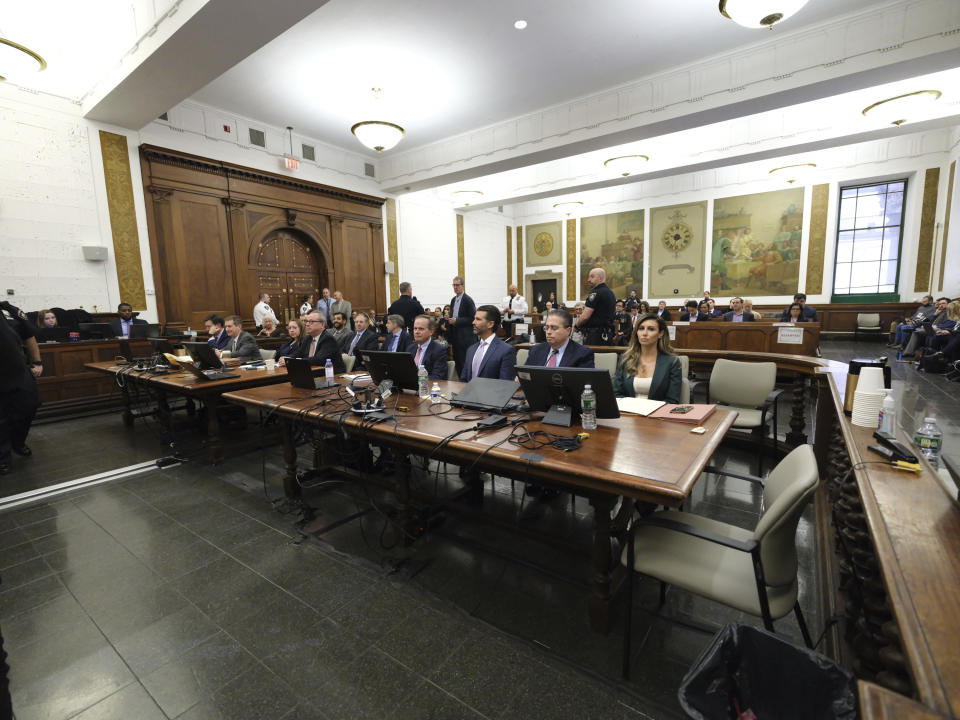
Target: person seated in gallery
(648, 368)
(218, 339)
(292, 346)
(793, 314)
(715, 312)
(121, 325)
(397, 339)
(809, 313)
(945, 331)
(693, 314)
(425, 350)
(644, 308)
(928, 328)
(737, 312)
(560, 350)
(269, 328)
(318, 345)
(47, 319)
(662, 311)
(926, 311)
(241, 343)
(748, 308)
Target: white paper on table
(790, 336)
(639, 406)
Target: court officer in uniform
(18, 388)
(596, 321)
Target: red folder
(695, 416)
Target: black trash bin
(756, 670)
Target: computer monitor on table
(150, 330)
(557, 391)
(388, 365)
(101, 331)
(162, 345)
(203, 355)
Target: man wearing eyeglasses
(318, 345)
(559, 350)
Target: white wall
(485, 256)
(427, 247)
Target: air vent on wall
(257, 137)
(368, 170)
(309, 153)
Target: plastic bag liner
(767, 674)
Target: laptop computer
(487, 394)
(300, 372)
(207, 374)
(54, 334)
(203, 355)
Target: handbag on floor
(933, 364)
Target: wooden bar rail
(751, 337)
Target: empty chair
(522, 354)
(750, 389)
(867, 324)
(607, 361)
(452, 370)
(754, 572)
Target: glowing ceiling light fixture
(568, 207)
(17, 61)
(378, 135)
(793, 173)
(626, 164)
(759, 13)
(466, 197)
(898, 110)
(520, 24)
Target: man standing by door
(460, 323)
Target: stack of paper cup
(868, 398)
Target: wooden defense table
(655, 461)
(184, 384)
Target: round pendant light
(568, 207)
(900, 109)
(794, 173)
(378, 135)
(759, 13)
(466, 197)
(626, 164)
(17, 61)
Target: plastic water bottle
(929, 439)
(328, 370)
(588, 405)
(423, 385)
(888, 415)
(435, 394)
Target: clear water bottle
(888, 415)
(435, 394)
(423, 385)
(588, 405)
(328, 370)
(929, 439)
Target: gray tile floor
(188, 593)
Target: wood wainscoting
(222, 233)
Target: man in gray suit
(341, 331)
(339, 305)
(241, 344)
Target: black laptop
(54, 334)
(150, 330)
(300, 372)
(207, 374)
(488, 395)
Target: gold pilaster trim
(928, 217)
(509, 256)
(460, 269)
(571, 259)
(123, 219)
(520, 280)
(392, 254)
(820, 198)
(946, 224)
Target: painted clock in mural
(677, 237)
(543, 244)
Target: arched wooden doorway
(288, 268)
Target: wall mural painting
(677, 250)
(544, 244)
(615, 243)
(756, 243)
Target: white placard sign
(672, 332)
(790, 336)
(520, 328)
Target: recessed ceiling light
(898, 110)
(520, 24)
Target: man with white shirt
(325, 305)
(339, 305)
(432, 355)
(319, 346)
(514, 307)
(491, 357)
(662, 311)
(262, 309)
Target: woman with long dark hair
(649, 368)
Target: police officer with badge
(596, 321)
(18, 389)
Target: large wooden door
(289, 269)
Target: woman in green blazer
(649, 368)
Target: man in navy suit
(737, 314)
(121, 325)
(559, 350)
(218, 339)
(318, 346)
(459, 324)
(363, 339)
(397, 339)
(490, 357)
(427, 352)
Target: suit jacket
(434, 359)
(498, 362)
(576, 355)
(701, 317)
(343, 337)
(665, 315)
(809, 314)
(326, 348)
(345, 307)
(244, 347)
(403, 342)
(665, 385)
(407, 307)
(219, 342)
(291, 348)
(118, 328)
(747, 316)
(462, 332)
(367, 341)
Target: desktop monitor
(557, 391)
(386, 365)
(203, 355)
(54, 334)
(151, 330)
(102, 331)
(162, 345)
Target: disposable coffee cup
(271, 365)
(871, 380)
(225, 354)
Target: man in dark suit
(406, 305)
(341, 331)
(460, 323)
(240, 343)
(490, 357)
(737, 314)
(426, 351)
(218, 339)
(121, 325)
(363, 339)
(319, 345)
(662, 311)
(397, 339)
(559, 350)
(809, 314)
(693, 315)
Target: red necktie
(419, 353)
(552, 362)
